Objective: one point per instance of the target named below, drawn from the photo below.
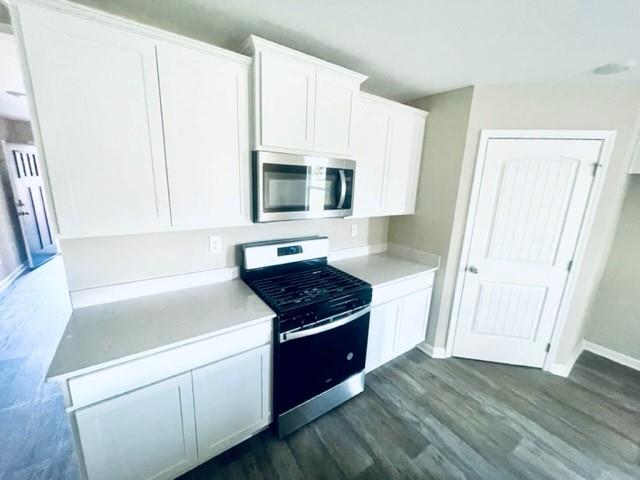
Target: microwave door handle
(285, 337)
(343, 189)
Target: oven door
(313, 360)
(290, 187)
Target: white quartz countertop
(382, 268)
(112, 333)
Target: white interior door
(530, 207)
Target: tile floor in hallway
(418, 418)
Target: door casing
(608, 139)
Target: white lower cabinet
(162, 430)
(397, 326)
(145, 434)
(231, 400)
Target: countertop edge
(63, 377)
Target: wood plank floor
(454, 419)
(418, 418)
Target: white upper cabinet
(206, 126)
(371, 141)
(336, 95)
(142, 131)
(98, 108)
(301, 104)
(287, 90)
(405, 154)
(388, 150)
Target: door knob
(472, 269)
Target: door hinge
(569, 265)
(596, 166)
(547, 348)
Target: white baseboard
(564, 369)
(433, 352)
(9, 279)
(612, 355)
(123, 291)
(345, 253)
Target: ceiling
(410, 48)
(15, 108)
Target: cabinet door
(205, 110)
(231, 400)
(407, 131)
(97, 99)
(371, 138)
(143, 435)
(287, 93)
(335, 98)
(382, 333)
(412, 324)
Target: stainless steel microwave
(294, 187)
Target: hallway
(36, 438)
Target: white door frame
(608, 138)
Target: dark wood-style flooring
(418, 418)
(454, 419)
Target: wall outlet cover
(215, 245)
(354, 230)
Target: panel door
(336, 95)
(383, 323)
(231, 400)
(31, 206)
(206, 113)
(97, 100)
(371, 145)
(287, 101)
(532, 199)
(405, 150)
(143, 435)
(412, 325)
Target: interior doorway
(27, 183)
(530, 211)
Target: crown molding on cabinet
(253, 43)
(98, 16)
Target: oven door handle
(343, 189)
(286, 336)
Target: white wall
(614, 317)
(111, 260)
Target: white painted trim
(7, 281)
(564, 369)
(255, 44)
(345, 253)
(608, 138)
(621, 358)
(433, 352)
(391, 103)
(104, 18)
(123, 291)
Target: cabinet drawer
(106, 383)
(401, 288)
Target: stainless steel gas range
(321, 329)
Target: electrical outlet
(354, 230)
(215, 245)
